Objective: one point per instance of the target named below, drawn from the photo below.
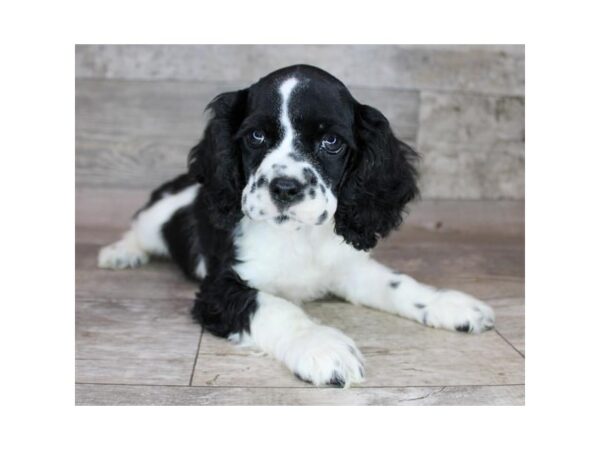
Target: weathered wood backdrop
(461, 106)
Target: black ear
(380, 181)
(216, 163)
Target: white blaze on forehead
(285, 89)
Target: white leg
(366, 282)
(313, 352)
(145, 236)
(123, 253)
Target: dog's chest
(294, 264)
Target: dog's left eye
(332, 143)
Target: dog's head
(296, 149)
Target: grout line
(302, 387)
(509, 343)
(196, 358)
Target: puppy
(292, 184)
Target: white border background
(37, 203)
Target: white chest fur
(297, 264)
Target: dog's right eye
(256, 138)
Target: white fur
(123, 253)
(295, 264)
(145, 236)
(314, 352)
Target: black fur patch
(225, 304)
(394, 284)
(419, 305)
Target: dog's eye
(332, 143)
(256, 138)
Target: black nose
(285, 190)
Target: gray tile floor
(136, 343)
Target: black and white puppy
(291, 186)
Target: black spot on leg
(419, 305)
(394, 284)
(464, 328)
(312, 193)
(261, 212)
(322, 218)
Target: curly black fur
(381, 181)
(216, 163)
(224, 304)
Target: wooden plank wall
(140, 108)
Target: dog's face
(295, 141)
(296, 149)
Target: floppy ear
(380, 181)
(216, 163)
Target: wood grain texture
(498, 69)
(473, 146)
(89, 394)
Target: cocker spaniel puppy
(292, 185)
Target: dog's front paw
(458, 311)
(323, 355)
